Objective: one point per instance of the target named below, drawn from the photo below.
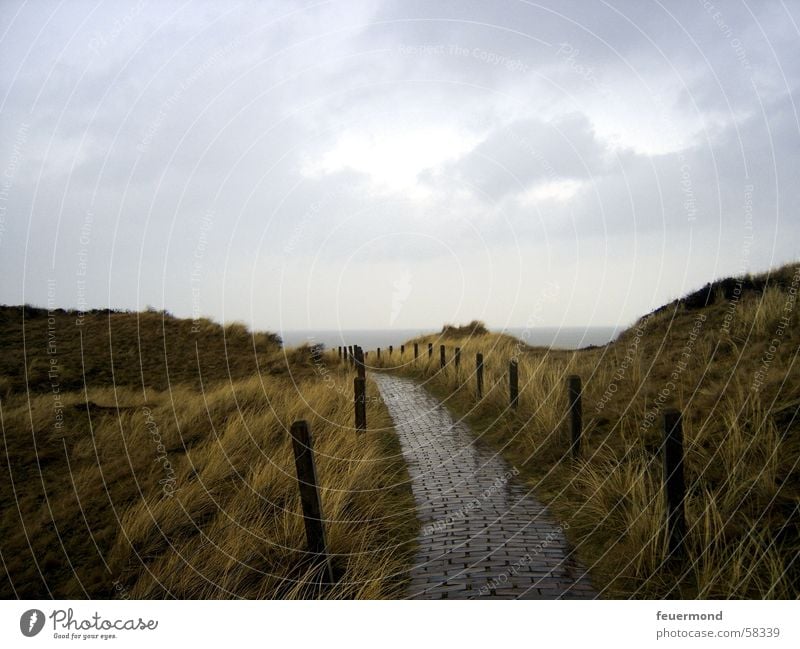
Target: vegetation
(726, 356)
(474, 328)
(146, 350)
(147, 456)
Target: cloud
(473, 145)
(391, 155)
(533, 151)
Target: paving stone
(488, 537)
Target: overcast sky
(394, 164)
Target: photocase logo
(402, 289)
(31, 622)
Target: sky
(399, 164)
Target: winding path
(482, 532)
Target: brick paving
(483, 534)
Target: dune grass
(727, 357)
(165, 469)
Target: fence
(353, 357)
(672, 445)
(302, 444)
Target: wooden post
(513, 383)
(576, 424)
(352, 356)
(360, 363)
(479, 373)
(302, 443)
(360, 392)
(379, 353)
(391, 349)
(402, 349)
(360, 403)
(430, 350)
(442, 357)
(416, 351)
(340, 353)
(674, 484)
(457, 358)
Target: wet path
(482, 534)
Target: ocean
(553, 337)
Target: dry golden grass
(730, 364)
(176, 491)
(146, 350)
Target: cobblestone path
(482, 532)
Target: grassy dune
(155, 461)
(727, 356)
(147, 350)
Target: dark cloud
(529, 151)
(393, 133)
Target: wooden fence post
(416, 351)
(442, 357)
(360, 403)
(479, 373)
(402, 349)
(360, 392)
(513, 383)
(360, 363)
(302, 444)
(674, 484)
(576, 414)
(457, 357)
(379, 353)
(340, 353)
(391, 349)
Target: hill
(153, 349)
(727, 357)
(147, 456)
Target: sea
(552, 337)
